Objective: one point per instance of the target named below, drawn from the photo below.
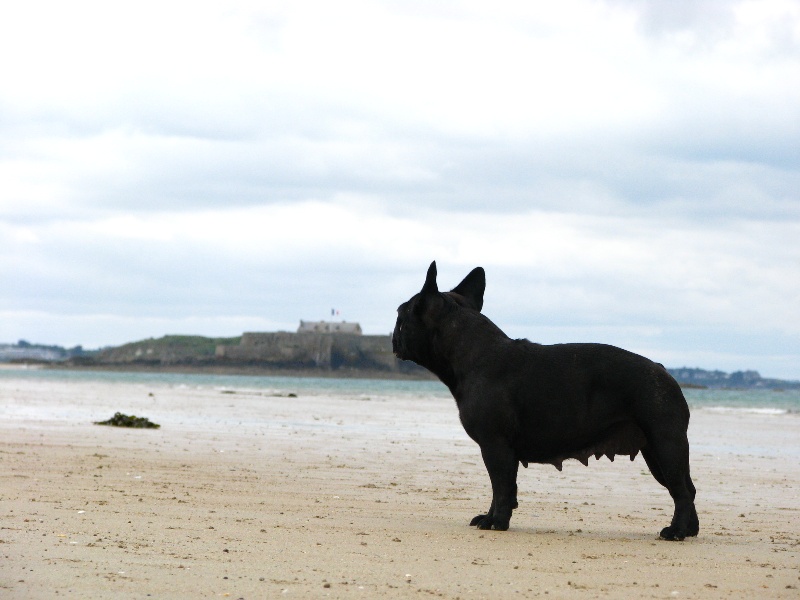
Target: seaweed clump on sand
(121, 420)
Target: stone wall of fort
(321, 350)
(280, 349)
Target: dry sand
(242, 495)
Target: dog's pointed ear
(472, 288)
(430, 286)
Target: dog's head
(418, 319)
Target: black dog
(524, 402)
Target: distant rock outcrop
(164, 351)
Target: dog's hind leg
(655, 469)
(501, 463)
(663, 415)
(667, 456)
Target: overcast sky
(626, 171)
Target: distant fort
(320, 344)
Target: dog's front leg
(501, 463)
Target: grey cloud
(708, 19)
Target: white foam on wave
(745, 410)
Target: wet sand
(245, 495)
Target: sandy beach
(242, 494)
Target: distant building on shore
(326, 327)
(9, 353)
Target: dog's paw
(674, 534)
(476, 521)
(489, 522)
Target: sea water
(757, 401)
